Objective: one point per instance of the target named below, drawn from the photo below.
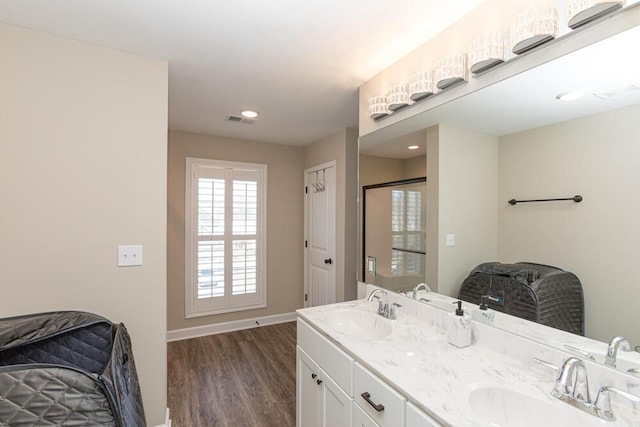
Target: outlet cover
(129, 255)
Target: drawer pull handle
(318, 382)
(366, 396)
(313, 376)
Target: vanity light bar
(530, 29)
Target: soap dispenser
(459, 327)
(483, 314)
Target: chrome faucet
(572, 384)
(418, 287)
(616, 343)
(572, 387)
(384, 308)
(382, 302)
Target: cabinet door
(336, 404)
(308, 391)
(417, 418)
(361, 419)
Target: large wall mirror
(516, 140)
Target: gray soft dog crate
(67, 368)
(541, 293)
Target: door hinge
(306, 244)
(305, 297)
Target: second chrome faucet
(572, 387)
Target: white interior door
(320, 236)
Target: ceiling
(298, 62)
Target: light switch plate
(451, 239)
(129, 255)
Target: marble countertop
(417, 360)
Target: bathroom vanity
(358, 368)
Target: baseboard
(236, 325)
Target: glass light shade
(397, 97)
(421, 85)
(580, 12)
(534, 26)
(486, 51)
(450, 70)
(249, 114)
(378, 107)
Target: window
(406, 228)
(225, 237)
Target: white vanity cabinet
(334, 390)
(361, 419)
(416, 418)
(320, 401)
(323, 381)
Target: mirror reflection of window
(406, 228)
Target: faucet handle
(393, 312)
(385, 309)
(634, 371)
(579, 351)
(603, 401)
(547, 364)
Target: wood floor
(237, 379)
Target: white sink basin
(499, 406)
(362, 325)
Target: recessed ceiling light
(249, 114)
(413, 147)
(569, 96)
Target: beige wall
(343, 148)
(284, 222)
(415, 167)
(82, 170)
(597, 239)
(379, 236)
(466, 164)
(376, 170)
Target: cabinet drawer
(335, 362)
(385, 405)
(360, 418)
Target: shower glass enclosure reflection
(393, 244)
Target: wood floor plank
(243, 378)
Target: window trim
(193, 306)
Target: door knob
(328, 261)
